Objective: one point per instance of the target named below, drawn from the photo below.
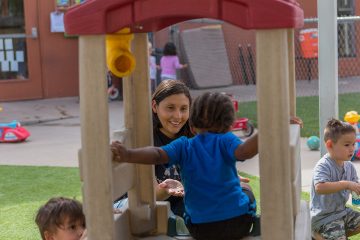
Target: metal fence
(241, 50)
(348, 44)
(348, 58)
(306, 66)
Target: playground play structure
(283, 214)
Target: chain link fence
(241, 51)
(306, 65)
(348, 58)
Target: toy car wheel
(249, 129)
(114, 94)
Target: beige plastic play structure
(283, 215)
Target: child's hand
(119, 151)
(354, 187)
(116, 211)
(172, 187)
(244, 179)
(296, 120)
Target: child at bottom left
(61, 219)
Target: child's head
(339, 138)
(213, 112)
(61, 219)
(169, 49)
(150, 48)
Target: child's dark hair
(213, 112)
(165, 89)
(335, 129)
(52, 215)
(169, 49)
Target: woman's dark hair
(335, 129)
(52, 215)
(169, 49)
(213, 112)
(165, 89)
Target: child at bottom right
(334, 178)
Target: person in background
(169, 62)
(152, 68)
(61, 219)
(170, 112)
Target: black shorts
(233, 228)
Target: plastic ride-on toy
(12, 132)
(241, 124)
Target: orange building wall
(59, 57)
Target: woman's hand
(172, 187)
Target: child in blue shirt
(216, 206)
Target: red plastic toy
(109, 16)
(13, 132)
(242, 124)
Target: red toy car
(241, 124)
(13, 132)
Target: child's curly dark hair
(213, 112)
(335, 129)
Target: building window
(346, 29)
(13, 62)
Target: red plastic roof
(109, 16)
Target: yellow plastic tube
(119, 58)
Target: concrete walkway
(54, 125)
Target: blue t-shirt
(208, 171)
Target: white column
(328, 65)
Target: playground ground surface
(54, 125)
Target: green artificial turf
(24, 189)
(308, 110)
(255, 186)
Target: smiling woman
(171, 109)
(170, 106)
